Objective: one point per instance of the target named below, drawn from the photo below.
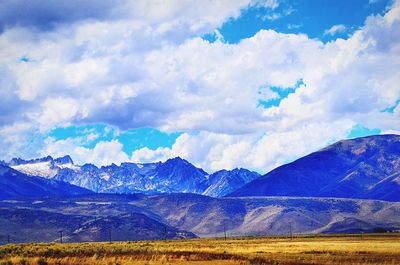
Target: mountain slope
(224, 181)
(206, 216)
(178, 175)
(174, 175)
(34, 225)
(14, 184)
(346, 169)
(131, 226)
(387, 189)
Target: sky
(223, 84)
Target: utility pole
(165, 233)
(224, 231)
(109, 234)
(8, 239)
(61, 236)
(290, 230)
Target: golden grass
(372, 249)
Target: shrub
(379, 230)
(42, 261)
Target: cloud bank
(133, 64)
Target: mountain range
(364, 168)
(174, 175)
(349, 186)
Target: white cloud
(335, 29)
(294, 26)
(347, 82)
(273, 16)
(146, 155)
(272, 4)
(373, 1)
(20, 139)
(257, 151)
(103, 153)
(188, 16)
(58, 111)
(277, 15)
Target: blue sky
(132, 139)
(310, 17)
(223, 84)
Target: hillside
(365, 168)
(87, 217)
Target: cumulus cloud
(257, 151)
(343, 88)
(58, 111)
(104, 152)
(49, 14)
(151, 69)
(45, 14)
(20, 139)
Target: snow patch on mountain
(105, 176)
(41, 169)
(70, 166)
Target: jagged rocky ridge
(174, 175)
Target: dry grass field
(382, 249)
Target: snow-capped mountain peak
(46, 167)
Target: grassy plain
(382, 249)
